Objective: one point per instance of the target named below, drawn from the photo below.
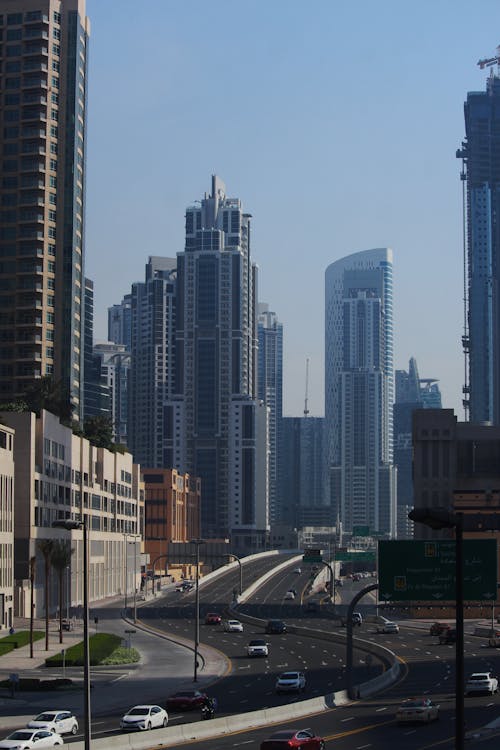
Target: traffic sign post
(422, 571)
(312, 556)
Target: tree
(49, 394)
(60, 559)
(99, 431)
(46, 546)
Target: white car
(481, 682)
(297, 571)
(60, 722)
(258, 647)
(233, 626)
(144, 717)
(417, 710)
(289, 595)
(388, 627)
(25, 739)
(290, 682)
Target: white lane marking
(362, 747)
(384, 708)
(349, 718)
(412, 731)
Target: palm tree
(45, 546)
(60, 559)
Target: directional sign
(423, 571)
(312, 556)
(366, 556)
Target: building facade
(120, 322)
(359, 391)
(59, 475)
(480, 154)
(7, 438)
(43, 79)
(114, 368)
(270, 391)
(152, 365)
(215, 396)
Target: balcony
(31, 199)
(32, 166)
(32, 182)
(35, 49)
(34, 32)
(31, 216)
(39, 115)
(36, 16)
(30, 65)
(33, 132)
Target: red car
(186, 700)
(213, 618)
(438, 627)
(300, 738)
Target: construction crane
(489, 61)
(306, 410)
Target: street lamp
(71, 525)
(241, 570)
(441, 518)
(197, 542)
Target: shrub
(101, 646)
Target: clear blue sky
(336, 123)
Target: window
(57, 17)
(54, 114)
(53, 181)
(49, 351)
(50, 318)
(50, 301)
(52, 233)
(54, 130)
(52, 249)
(52, 199)
(53, 148)
(55, 82)
(49, 335)
(55, 66)
(51, 284)
(53, 165)
(52, 216)
(56, 33)
(54, 98)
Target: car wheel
(149, 725)
(74, 729)
(165, 722)
(321, 745)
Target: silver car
(291, 682)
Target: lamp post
(32, 602)
(241, 570)
(71, 525)
(441, 518)
(197, 542)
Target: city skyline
(340, 134)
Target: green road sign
(361, 531)
(423, 571)
(312, 556)
(365, 556)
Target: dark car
(438, 627)
(275, 627)
(448, 636)
(298, 738)
(185, 700)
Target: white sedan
(144, 717)
(290, 595)
(60, 722)
(417, 710)
(25, 739)
(233, 626)
(290, 682)
(388, 627)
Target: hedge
(101, 646)
(19, 639)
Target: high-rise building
(225, 440)
(301, 496)
(480, 154)
(359, 391)
(270, 391)
(96, 392)
(42, 142)
(120, 322)
(114, 368)
(151, 376)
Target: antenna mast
(306, 410)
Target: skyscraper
(42, 141)
(151, 376)
(359, 390)
(225, 440)
(270, 391)
(480, 154)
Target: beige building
(6, 526)
(43, 72)
(60, 475)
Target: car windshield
(289, 676)
(20, 735)
(234, 622)
(414, 704)
(45, 716)
(257, 643)
(479, 677)
(138, 711)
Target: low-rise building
(6, 526)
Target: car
(356, 577)
(185, 700)
(289, 595)
(275, 627)
(184, 587)
(25, 739)
(233, 626)
(258, 647)
(299, 738)
(60, 722)
(448, 636)
(481, 682)
(357, 618)
(417, 710)
(212, 618)
(438, 627)
(494, 639)
(67, 625)
(297, 571)
(388, 627)
(144, 717)
(290, 682)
